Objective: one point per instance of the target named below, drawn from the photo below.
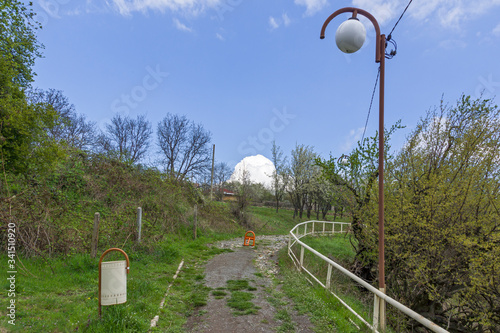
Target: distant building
(228, 195)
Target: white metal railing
(302, 229)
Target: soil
(245, 263)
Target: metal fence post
(95, 236)
(195, 220)
(139, 224)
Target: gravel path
(245, 263)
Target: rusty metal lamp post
(350, 37)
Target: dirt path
(257, 266)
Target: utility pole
(212, 178)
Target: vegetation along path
(245, 291)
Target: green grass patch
(337, 246)
(218, 294)
(65, 300)
(287, 325)
(234, 285)
(270, 222)
(240, 301)
(241, 304)
(325, 311)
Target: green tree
(300, 173)
(354, 177)
(25, 146)
(19, 47)
(442, 217)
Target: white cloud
(496, 30)
(180, 26)
(286, 20)
(352, 139)
(275, 23)
(448, 13)
(382, 10)
(312, 6)
(219, 37)
(192, 7)
(451, 44)
(49, 8)
(272, 23)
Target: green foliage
(25, 146)
(18, 44)
(354, 179)
(61, 206)
(442, 217)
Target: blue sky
(252, 70)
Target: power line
(390, 35)
(389, 56)
(371, 103)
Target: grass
(218, 294)
(66, 300)
(60, 294)
(240, 300)
(277, 300)
(326, 312)
(241, 304)
(270, 222)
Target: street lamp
(350, 37)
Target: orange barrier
(249, 238)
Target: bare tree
(128, 138)
(80, 133)
(279, 175)
(222, 173)
(72, 128)
(185, 146)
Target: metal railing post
(328, 277)
(380, 297)
(301, 257)
(289, 243)
(376, 314)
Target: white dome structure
(259, 168)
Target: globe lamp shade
(350, 36)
